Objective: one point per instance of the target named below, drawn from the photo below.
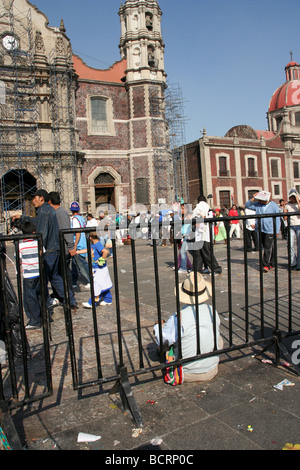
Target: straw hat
(187, 290)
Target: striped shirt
(29, 255)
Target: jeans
(52, 273)
(80, 265)
(295, 237)
(32, 300)
(268, 245)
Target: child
(29, 256)
(101, 276)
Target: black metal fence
(15, 377)
(121, 376)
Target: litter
(136, 432)
(250, 428)
(156, 442)
(289, 446)
(83, 437)
(285, 383)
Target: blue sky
(227, 56)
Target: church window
(297, 119)
(142, 191)
(149, 21)
(223, 166)
(98, 115)
(274, 168)
(100, 112)
(225, 198)
(296, 170)
(251, 167)
(278, 121)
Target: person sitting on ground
(201, 369)
(101, 277)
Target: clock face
(10, 42)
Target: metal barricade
(121, 378)
(16, 380)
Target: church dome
(287, 94)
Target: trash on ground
(250, 428)
(284, 383)
(83, 437)
(289, 446)
(136, 432)
(156, 442)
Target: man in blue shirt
(261, 204)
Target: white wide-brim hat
(187, 290)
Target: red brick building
(120, 117)
(231, 168)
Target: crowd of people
(194, 248)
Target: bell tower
(141, 40)
(142, 46)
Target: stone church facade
(96, 136)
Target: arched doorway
(16, 189)
(104, 186)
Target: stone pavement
(240, 409)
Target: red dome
(289, 93)
(286, 95)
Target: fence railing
(16, 353)
(122, 374)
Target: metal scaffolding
(168, 139)
(37, 116)
(19, 116)
(62, 98)
(176, 124)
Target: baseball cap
(74, 206)
(42, 193)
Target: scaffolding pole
(168, 135)
(19, 131)
(62, 92)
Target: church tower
(141, 40)
(142, 46)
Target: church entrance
(104, 190)
(16, 190)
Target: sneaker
(182, 271)
(88, 286)
(86, 305)
(266, 269)
(53, 302)
(32, 327)
(205, 271)
(102, 303)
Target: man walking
(63, 220)
(261, 204)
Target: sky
(227, 56)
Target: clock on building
(10, 42)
